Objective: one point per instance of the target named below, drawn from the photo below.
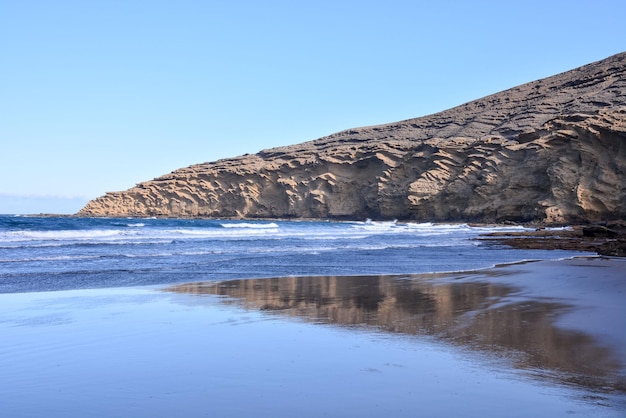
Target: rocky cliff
(553, 150)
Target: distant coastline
(11, 204)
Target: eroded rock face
(553, 150)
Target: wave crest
(252, 225)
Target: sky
(97, 96)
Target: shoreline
(534, 338)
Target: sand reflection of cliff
(478, 315)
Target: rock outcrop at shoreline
(552, 151)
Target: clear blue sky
(97, 96)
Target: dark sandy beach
(541, 339)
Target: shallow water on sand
(369, 346)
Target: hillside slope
(553, 150)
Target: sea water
(122, 339)
(63, 253)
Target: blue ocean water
(48, 253)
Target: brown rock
(553, 151)
(598, 231)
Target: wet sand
(542, 339)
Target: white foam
(141, 233)
(51, 258)
(560, 228)
(252, 225)
(83, 234)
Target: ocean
(107, 317)
(66, 253)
